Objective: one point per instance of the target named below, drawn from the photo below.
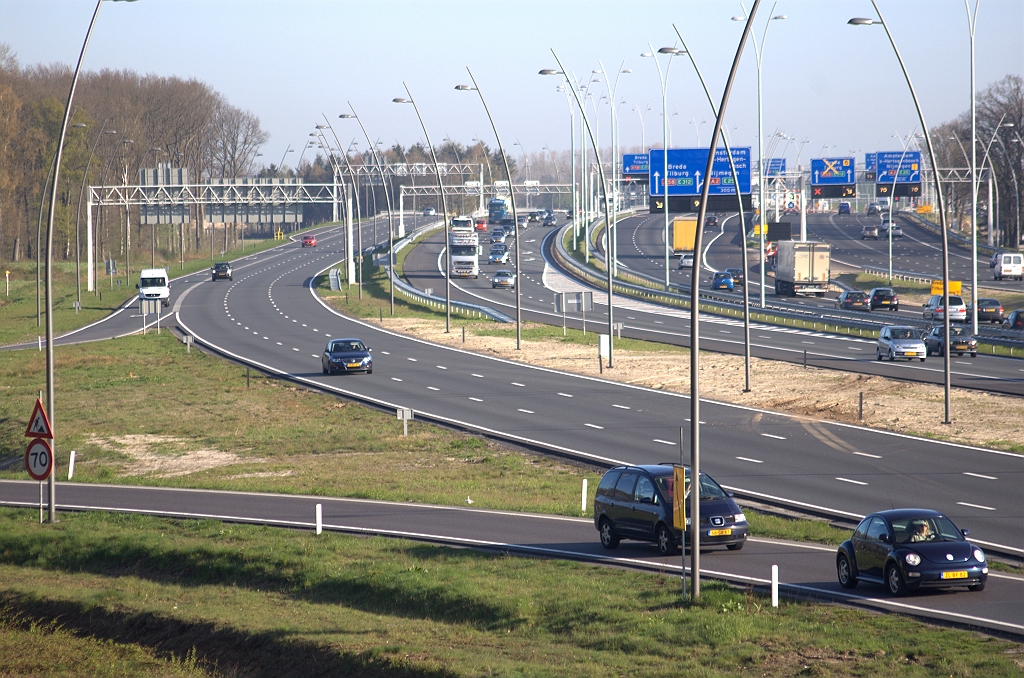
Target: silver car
(498, 256)
(896, 341)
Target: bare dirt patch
(979, 418)
(163, 456)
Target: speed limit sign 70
(39, 459)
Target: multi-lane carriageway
(270, 317)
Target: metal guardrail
(433, 301)
(772, 314)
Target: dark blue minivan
(635, 502)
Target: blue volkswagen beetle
(910, 549)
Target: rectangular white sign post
(604, 345)
(405, 415)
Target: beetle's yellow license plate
(959, 574)
(720, 533)
(353, 364)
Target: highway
(805, 570)
(639, 238)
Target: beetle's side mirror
(965, 531)
(884, 538)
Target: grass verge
(246, 600)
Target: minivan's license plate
(724, 533)
(959, 574)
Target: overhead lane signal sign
(833, 178)
(686, 171)
(899, 174)
(635, 164)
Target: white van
(1009, 266)
(154, 283)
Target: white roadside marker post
(583, 499)
(775, 585)
(71, 465)
(319, 518)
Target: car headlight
(366, 360)
(912, 559)
(739, 518)
(979, 555)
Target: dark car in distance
(222, 270)
(711, 220)
(883, 297)
(853, 300)
(636, 502)
(346, 355)
(1014, 321)
(737, 276)
(960, 341)
(910, 549)
(844, 208)
(989, 311)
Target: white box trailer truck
(802, 268)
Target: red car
(309, 241)
(481, 224)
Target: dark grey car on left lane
(346, 355)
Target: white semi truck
(465, 253)
(802, 268)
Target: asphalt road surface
(805, 570)
(540, 278)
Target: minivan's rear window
(153, 282)
(608, 483)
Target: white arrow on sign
(656, 175)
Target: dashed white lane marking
(565, 395)
(279, 343)
(622, 407)
(980, 475)
(303, 324)
(267, 338)
(807, 342)
(977, 506)
(527, 411)
(412, 360)
(395, 379)
(664, 442)
(594, 426)
(752, 461)
(847, 480)
(433, 388)
(313, 355)
(769, 435)
(295, 349)
(246, 328)
(854, 348)
(865, 454)
(385, 352)
(516, 383)
(478, 376)
(476, 399)
(441, 367)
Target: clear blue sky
(290, 60)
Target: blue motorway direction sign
(903, 167)
(634, 163)
(776, 166)
(832, 171)
(686, 171)
(870, 161)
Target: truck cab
(154, 283)
(465, 254)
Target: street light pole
(613, 237)
(51, 483)
(758, 54)
(743, 226)
(444, 206)
(938, 194)
(357, 226)
(972, 23)
(604, 187)
(387, 199)
(512, 196)
(572, 166)
(663, 79)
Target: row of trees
(122, 122)
(1000, 149)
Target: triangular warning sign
(39, 425)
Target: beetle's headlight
(912, 559)
(979, 555)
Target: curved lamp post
(444, 206)
(604, 187)
(613, 231)
(88, 235)
(663, 79)
(859, 21)
(743, 226)
(387, 199)
(512, 195)
(358, 226)
(758, 54)
(49, 251)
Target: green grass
(243, 600)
